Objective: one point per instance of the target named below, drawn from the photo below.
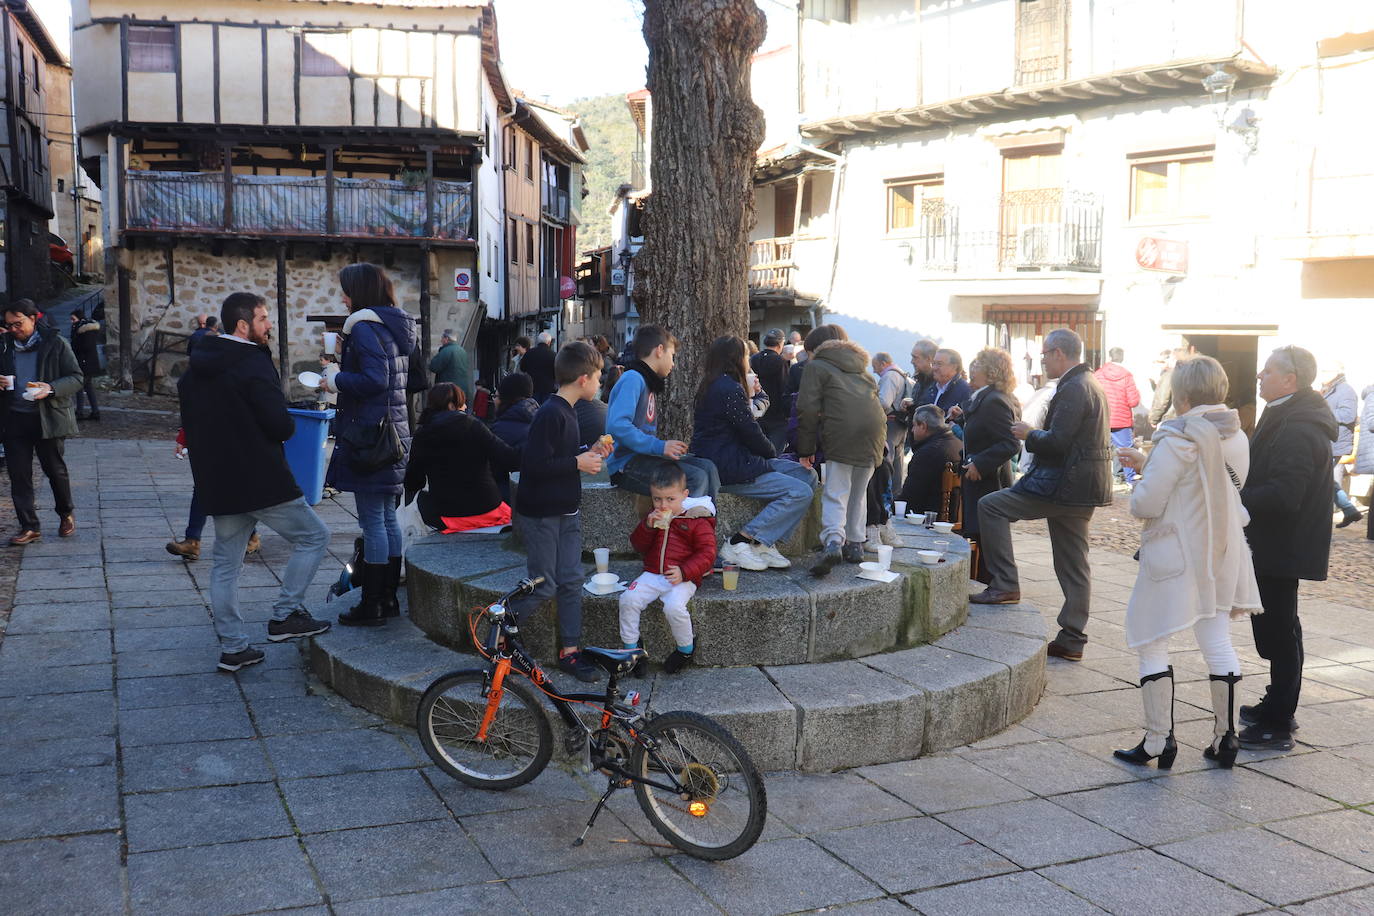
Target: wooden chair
(951, 496)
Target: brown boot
(254, 544)
(188, 549)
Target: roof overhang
(352, 135)
(491, 59)
(534, 125)
(34, 26)
(786, 160)
(1177, 78)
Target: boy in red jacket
(678, 543)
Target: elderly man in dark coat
(1288, 495)
(1071, 476)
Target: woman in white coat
(1195, 567)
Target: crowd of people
(1230, 523)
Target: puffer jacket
(725, 431)
(371, 383)
(1119, 387)
(838, 408)
(1364, 455)
(1340, 397)
(1072, 454)
(689, 541)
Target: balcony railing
(638, 174)
(295, 206)
(549, 300)
(770, 264)
(1044, 229)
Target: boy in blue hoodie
(632, 421)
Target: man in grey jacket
(1345, 406)
(1071, 476)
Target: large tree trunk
(692, 275)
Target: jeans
(1213, 638)
(381, 533)
(1122, 438)
(844, 503)
(1278, 640)
(702, 477)
(786, 490)
(195, 519)
(88, 390)
(553, 549)
(23, 440)
(1068, 540)
(309, 538)
(1342, 499)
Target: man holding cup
(39, 376)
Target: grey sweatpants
(553, 549)
(844, 503)
(1068, 541)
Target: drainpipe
(836, 176)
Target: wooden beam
(1098, 87)
(1066, 92)
(1125, 86)
(126, 330)
(1154, 81)
(955, 112)
(1185, 76)
(283, 328)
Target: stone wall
(200, 280)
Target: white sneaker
(743, 556)
(771, 556)
(889, 535)
(875, 538)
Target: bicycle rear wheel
(725, 806)
(518, 742)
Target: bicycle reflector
(697, 809)
(632, 698)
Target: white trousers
(1213, 638)
(642, 593)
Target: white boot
(1157, 696)
(1225, 745)
(889, 535)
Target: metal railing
(770, 264)
(1043, 229)
(295, 206)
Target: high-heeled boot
(391, 605)
(1157, 696)
(1225, 745)
(368, 611)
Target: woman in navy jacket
(377, 341)
(725, 431)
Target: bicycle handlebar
(524, 587)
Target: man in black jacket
(235, 418)
(1071, 476)
(935, 446)
(1288, 495)
(771, 369)
(537, 363)
(86, 346)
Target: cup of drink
(931, 518)
(603, 559)
(9, 382)
(331, 340)
(753, 380)
(942, 545)
(900, 506)
(885, 557)
(729, 577)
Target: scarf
(1205, 428)
(652, 380)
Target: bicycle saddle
(613, 661)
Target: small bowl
(871, 567)
(929, 557)
(944, 527)
(605, 580)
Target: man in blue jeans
(235, 418)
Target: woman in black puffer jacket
(455, 453)
(377, 341)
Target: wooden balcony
(290, 207)
(770, 264)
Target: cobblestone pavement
(137, 779)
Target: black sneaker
(853, 553)
(830, 558)
(233, 661)
(574, 665)
(296, 626)
(676, 661)
(1251, 715)
(1265, 738)
(641, 668)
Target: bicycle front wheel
(518, 741)
(722, 810)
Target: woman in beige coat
(1195, 567)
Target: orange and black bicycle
(489, 728)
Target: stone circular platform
(775, 617)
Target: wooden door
(1032, 195)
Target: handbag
(373, 446)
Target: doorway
(1239, 356)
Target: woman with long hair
(725, 430)
(374, 364)
(454, 454)
(1195, 566)
(986, 416)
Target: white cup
(753, 381)
(885, 557)
(331, 340)
(603, 558)
(9, 379)
(900, 506)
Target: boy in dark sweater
(549, 496)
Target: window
(1041, 52)
(37, 74)
(152, 49)
(508, 149)
(324, 54)
(513, 242)
(826, 10)
(911, 199)
(1172, 186)
(529, 243)
(529, 160)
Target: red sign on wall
(1168, 255)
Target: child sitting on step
(678, 543)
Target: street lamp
(1219, 84)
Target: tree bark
(692, 275)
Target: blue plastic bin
(305, 451)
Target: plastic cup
(900, 506)
(331, 340)
(931, 518)
(9, 379)
(603, 559)
(942, 545)
(885, 556)
(729, 578)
